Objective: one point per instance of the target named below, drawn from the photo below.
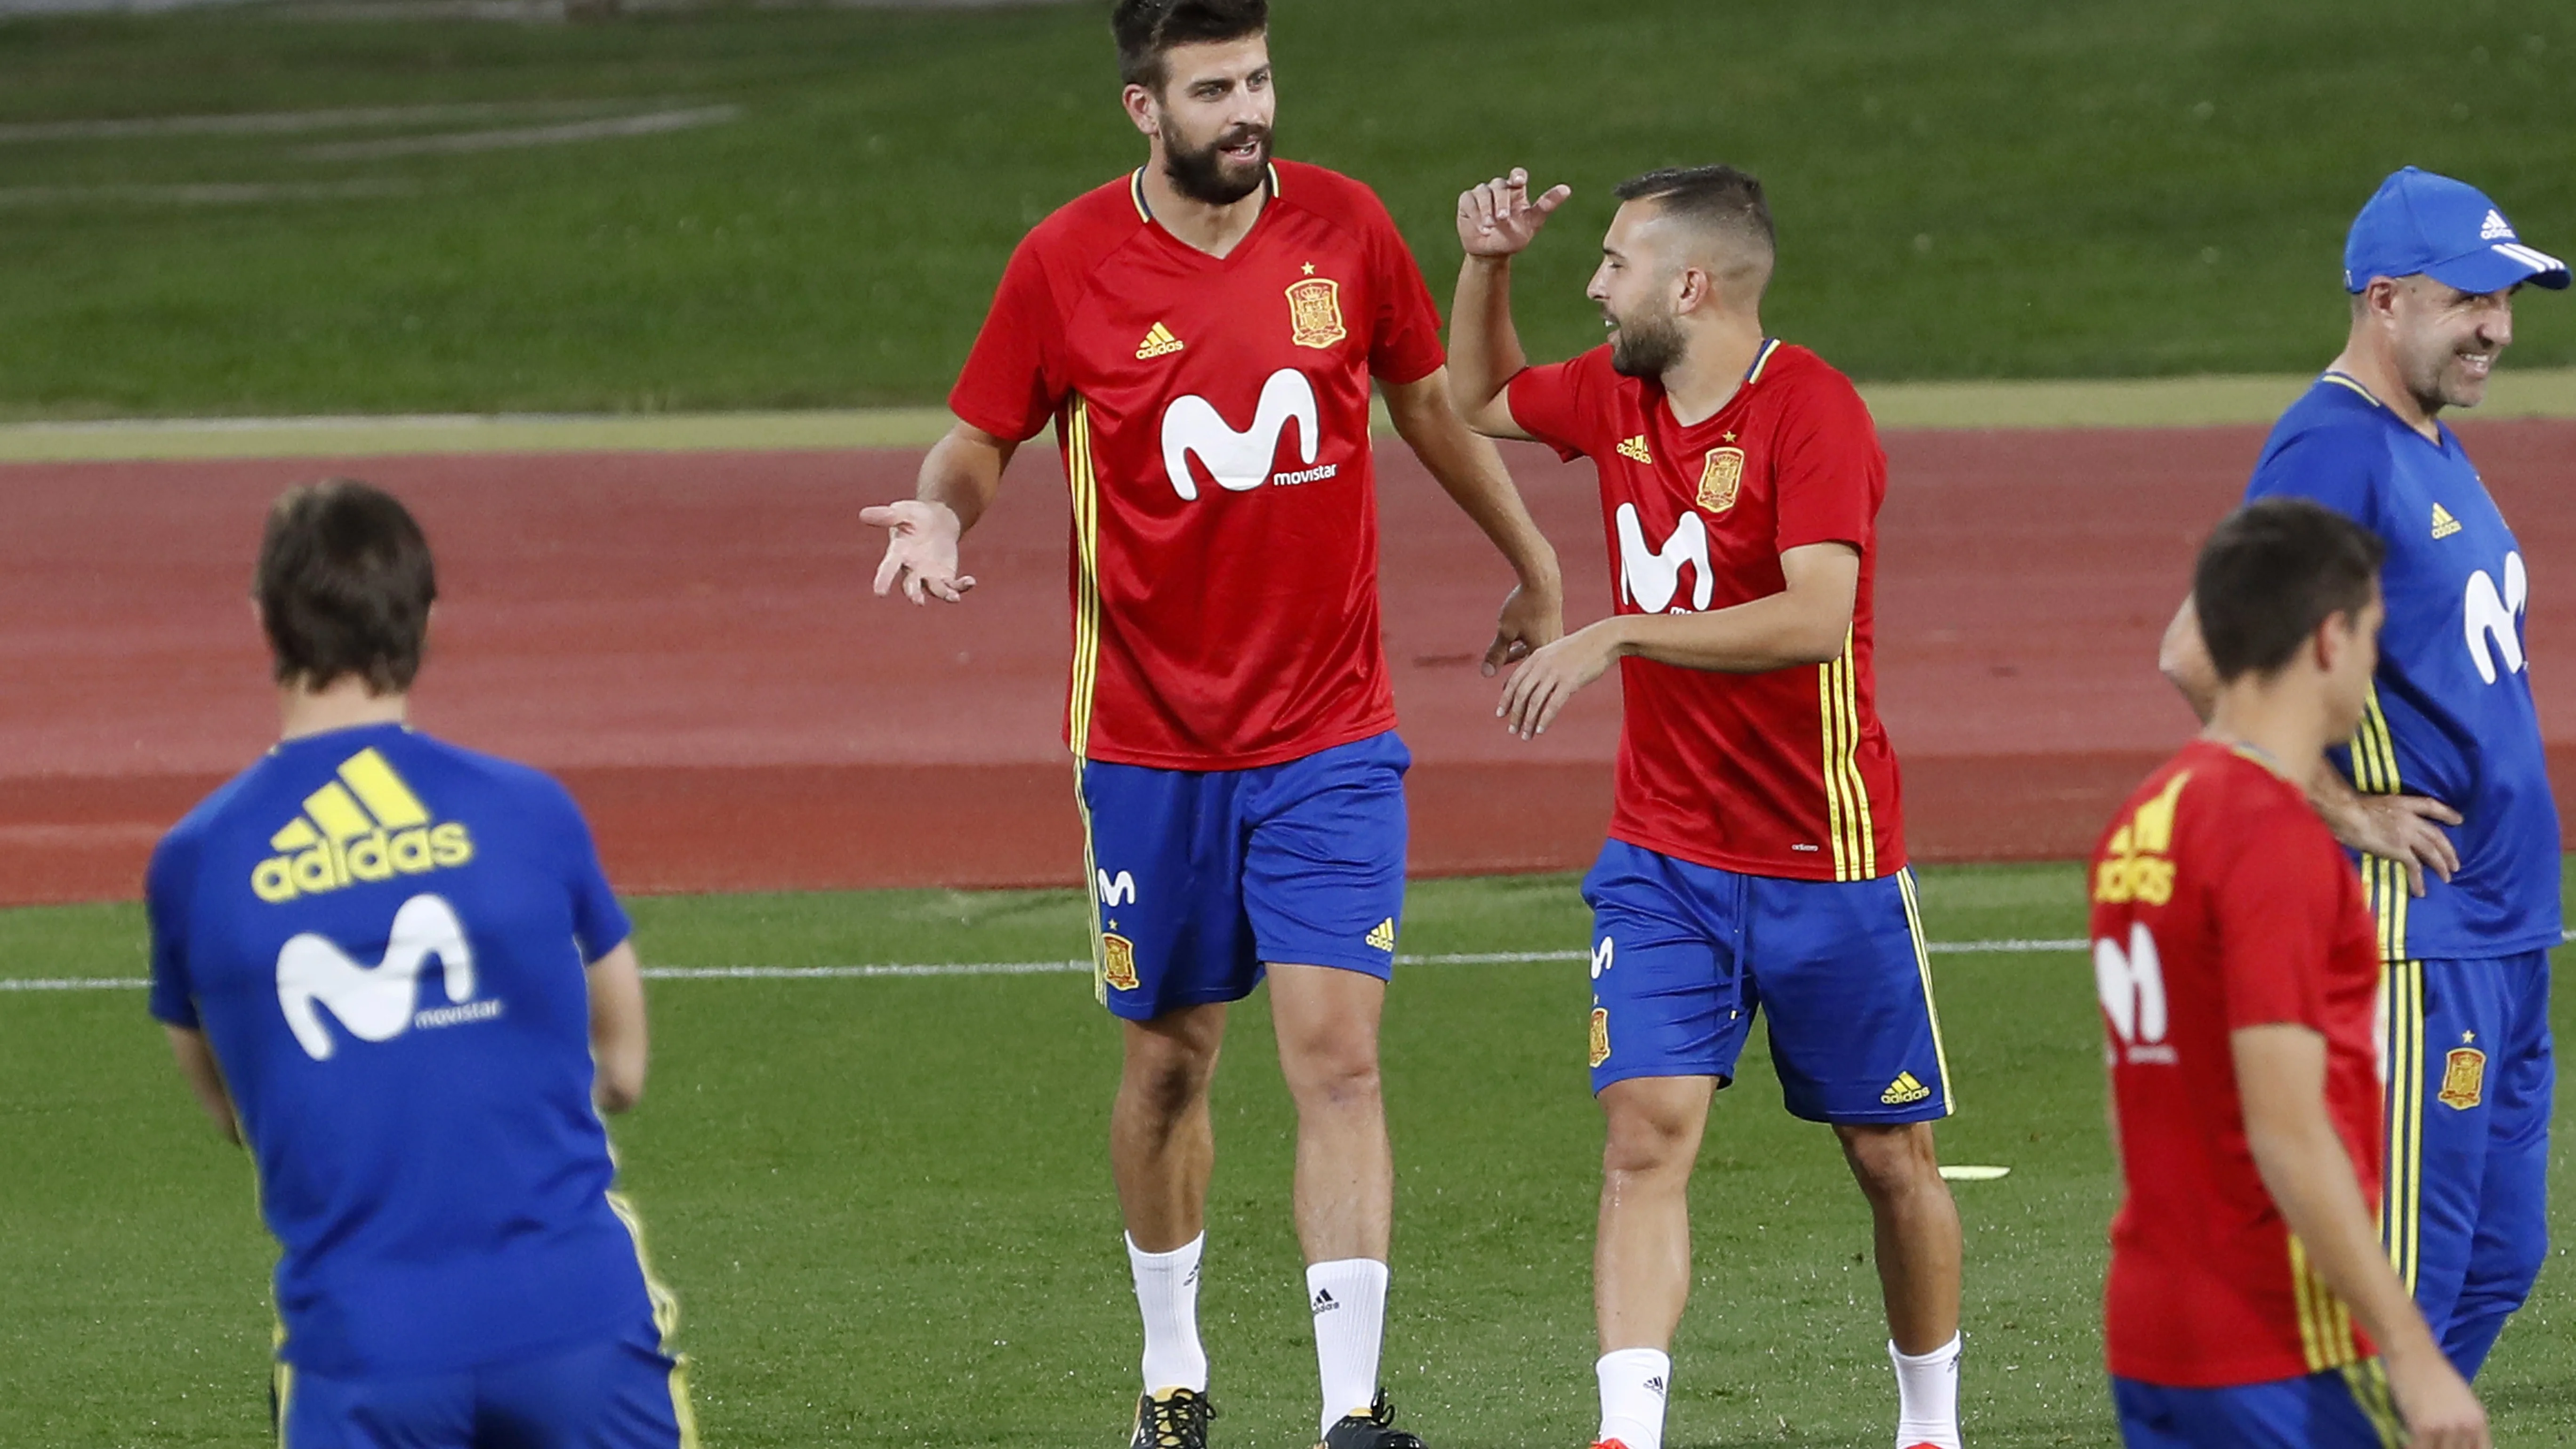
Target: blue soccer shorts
(2346, 1408)
(1684, 956)
(622, 1393)
(1202, 876)
(2471, 1075)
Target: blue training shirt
(384, 938)
(2451, 713)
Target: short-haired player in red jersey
(2239, 974)
(1755, 862)
(1203, 333)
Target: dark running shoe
(1372, 1430)
(1177, 1420)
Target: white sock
(1349, 1302)
(1927, 1396)
(1167, 1292)
(1635, 1382)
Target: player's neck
(1712, 368)
(2374, 369)
(2282, 721)
(342, 704)
(1210, 227)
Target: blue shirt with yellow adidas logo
(384, 938)
(2451, 713)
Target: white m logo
(1602, 956)
(1651, 577)
(1240, 461)
(2132, 984)
(2491, 620)
(373, 1003)
(1120, 890)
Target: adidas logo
(1383, 937)
(366, 825)
(1636, 448)
(1655, 1386)
(2496, 227)
(1158, 343)
(2444, 525)
(1903, 1090)
(1324, 1301)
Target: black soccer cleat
(1372, 1430)
(1177, 1420)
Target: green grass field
(1983, 188)
(886, 1205)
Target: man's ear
(1695, 288)
(1142, 109)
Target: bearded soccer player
(2443, 791)
(2249, 1306)
(456, 1269)
(1203, 333)
(1755, 860)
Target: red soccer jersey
(1214, 417)
(2220, 901)
(1785, 773)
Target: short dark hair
(1147, 29)
(344, 585)
(2271, 573)
(1715, 196)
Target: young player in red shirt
(1204, 333)
(1755, 859)
(2239, 974)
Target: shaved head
(1720, 216)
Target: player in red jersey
(1755, 859)
(1204, 333)
(2239, 974)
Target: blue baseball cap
(2448, 230)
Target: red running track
(688, 640)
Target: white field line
(457, 142)
(287, 123)
(210, 193)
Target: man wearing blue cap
(2444, 791)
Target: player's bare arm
(1472, 474)
(1806, 622)
(1496, 221)
(2281, 1074)
(617, 1032)
(2402, 828)
(959, 477)
(205, 1079)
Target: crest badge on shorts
(1720, 479)
(1600, 1035)
(1315, 312)
(1117, 961)
(2464, 1078)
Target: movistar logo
(377, 1003)
(1650, 577)
(1239, 461)
(366, 825)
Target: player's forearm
(1470, 470)
(619, 1039)
(1484, 348)
(205, 1077)
(1781, 631)
(962, 472)
(2183, 659)
(2310, 1177)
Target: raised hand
(1498, 218)
(921, 550)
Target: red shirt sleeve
(1831, 474)
(1010, 386)
(1550, 404)
(2278, 911)
(1406, 344)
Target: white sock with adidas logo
(1348, 1298)
(1635, 1382)
(1927, 1396)
(1167, 1293)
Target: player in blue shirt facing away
(395, 969)
(2444, 790)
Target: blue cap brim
(2495, 267)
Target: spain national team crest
(1315, 312)
(2464, 1079)
(1117, 961)
(1600, 1035)
(1721, 479)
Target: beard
(1207, 174)
(1646, 346)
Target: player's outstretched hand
(2402, 828)
(2439, 1410)
(1538, 690)
(1499, 218)
(921, 550)
(1530, 621)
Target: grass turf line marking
(273, 123)
(459, 142)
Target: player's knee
(1165, 1077)
(1891, 1161)
(1647, 1138)
(1331, 1074)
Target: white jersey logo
(1651, 577)
(1119, 889)
(1239, 462)
(2132, 984)
(376, 1003)
(2491, 619)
